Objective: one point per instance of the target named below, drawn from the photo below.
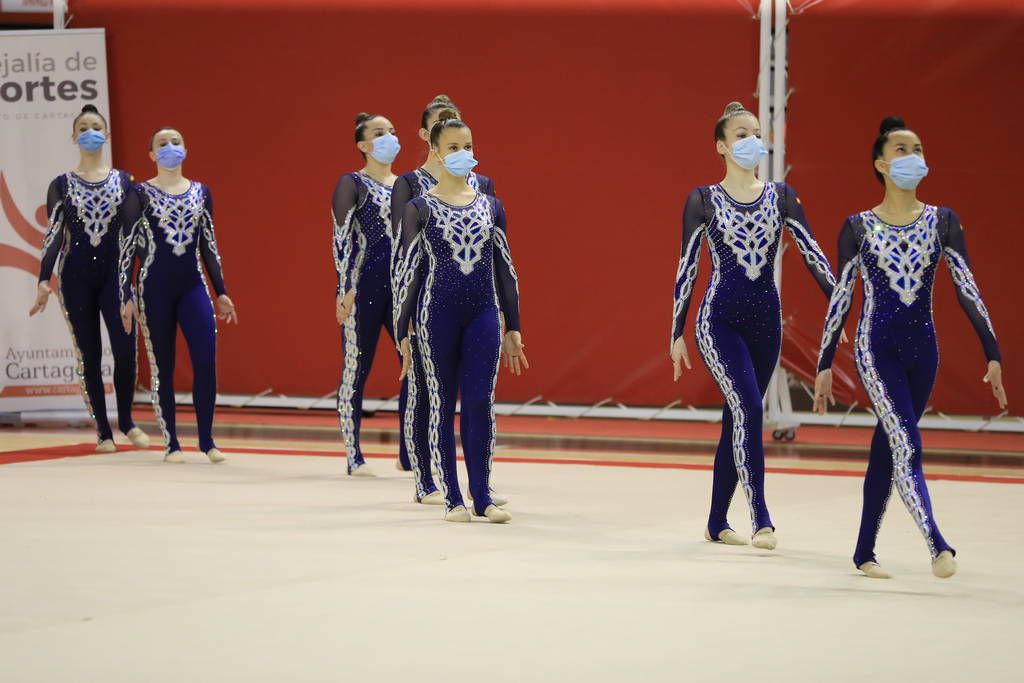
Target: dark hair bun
(443, 99)
(733, 108)
(90, 109)
(362, 118)
(447, 115)
(891, 123)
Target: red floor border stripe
(709, 432)
(79, 450)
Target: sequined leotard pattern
(85, 220)
(454, 273)
(173, 240)
(896, 350)
(739, 325)
(417, 408)
(363, 246)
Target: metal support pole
(764, 80)
(60, 8)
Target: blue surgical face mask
(385, 148)
(748, 151)
(170, 156)
(907, 171)
(460, 163)
(91, 140)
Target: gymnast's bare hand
(512, 347)
(343, 306)
(226, 309)
(406, 349)
(679, 355)
(823, 392)
(994, 377)
(43, 292)
(129, 315)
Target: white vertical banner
(45, 79)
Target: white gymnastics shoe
(176, 457)
(944, 566)
(215, 455)
(496, 499)
(361, 471)
(432, 498)
(496, 515)
(726, 536)
(872, 570)
(764, 539)
(459, 514)
(138, 437)
(106, 446)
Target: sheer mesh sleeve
(208, 247)
(689, 258)
(954, 247)
(505, 279)
(408, 274)
(130, 233)
(842, 293)
(487, 186)
(401, 194)
(54, 239)
(814, 257)
(345, 202)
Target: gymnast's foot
(361, 470)
(175, 457)
(496, 515)
(496, 499)
(872, 570)
(457, 514)
(944, 566)
(138, 437)
(726, 536)
(432, 498)
(764, 539)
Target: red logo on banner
(16, 258)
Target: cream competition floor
(277, 567)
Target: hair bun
(891, 123)
(447, 115)
(90, 109)
(442, 99)
(362, 117)
(733, 108)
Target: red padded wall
(595, 120)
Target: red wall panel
(952, 77)
(594, 119)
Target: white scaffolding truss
(772, 96)
(60, 10)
